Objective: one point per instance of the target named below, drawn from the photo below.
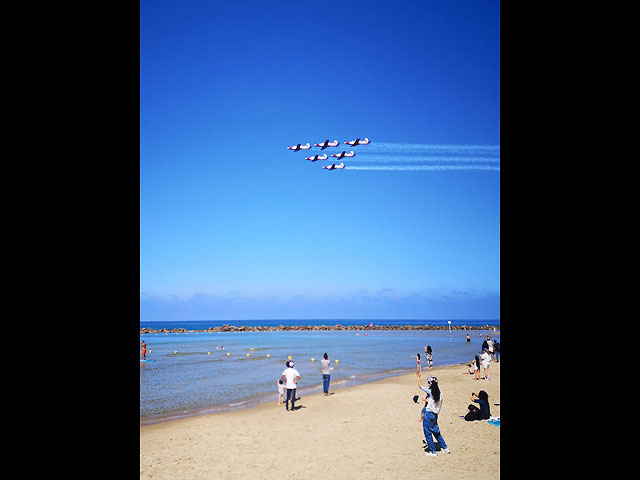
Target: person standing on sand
(417, 357)
(476, 368)
(326, 374)
(429, 356)
(143, 346)
(429, 415)
(290, 377)
(486, 363)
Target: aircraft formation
(327, 143)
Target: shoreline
(337, 327)
(266, 398)
(365, 431)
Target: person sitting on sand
(481, 413)
(429, 415)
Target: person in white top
(326, 374)
(432, 406)
(290, 378)
(486, 362)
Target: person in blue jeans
(326, 374)
(429, 416)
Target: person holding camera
(429, 415)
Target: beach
(366, 431)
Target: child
(280, 392)
(429, 357)
(143, 346)
(476, 368)
(417, 356)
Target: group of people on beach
(479, 408)
(287, 385)
(490, 350)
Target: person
(326, 374)
(486, 363)
(417, 356)
(481, 413)
(429, 415)
(476, 368)
(468, 338)
(496, 349)
(429, 357)
(490, 344)
(470, 369)
(280, 392)
(290, 376)
(143, 346)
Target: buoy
(228, 354)
(289, 357)
(208, 353)
(150, 351)
(336, 361)
(175, 352)
(268, 355)
(313, 359)
(247, 354)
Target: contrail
(409, 168)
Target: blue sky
(235, 226)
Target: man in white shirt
(290, 377)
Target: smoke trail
(409, 168)
(417, 158)
(414, 148)
(397, 156)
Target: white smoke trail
(409, 168)
(385, 147)
(396, 156)
(418, 158)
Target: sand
(368, 431)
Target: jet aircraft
(299, 147)
(326, 144)
(344, 154)
(357, 141)
(317, 157)
(333, 166)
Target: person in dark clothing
(481, 413)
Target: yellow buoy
(150, 351)
(289, 357)
(208, 353)
(336, 361)
(228, 354)
(268, 355)
(313, 359)
(247, 354)
(175, 352)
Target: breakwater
(299, 328)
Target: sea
(195, 373)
